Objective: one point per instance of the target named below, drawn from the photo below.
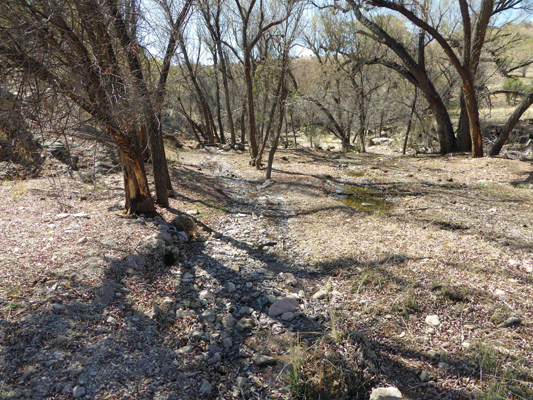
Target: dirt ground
(392, 240)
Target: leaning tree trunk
(510, 124)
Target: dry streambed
(431, 294)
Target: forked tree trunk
(464, 141)
(138, 199)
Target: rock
(192, 212)
(321, 294)
(433, 320)
(388, 393)
(165, 237)
(209, 316)
(289, 279)
(82, 240)
(245, 324)
(205, 389)
(442, 365)
(135, 262)
(217, 235)
(282, 306)
(444, 357)
(59, 356)
(78, 392)
(182, 237)
(185, 349)
(230, 287)
(216, 358)
(499, 292)
(229, 321)
(271, 299)
(288, 316)
(206, 294)
(197, 334)
(263, 361)
(227, 343)
(424, 376)
(61, 216)
(245, 310)
(241, 381)
(226, 147)
(433, 354)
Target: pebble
(182, 237)
(282, 306)
(388, 393)
(205, 389)
(288, 316)
(511, 321)
(227, 343)
(424, 376)
(82, 240)
(245, 310)
(499, 292)
(185, 349)
(245, 324)
(78, 391)
(321, 294)
(197, 334)
(433, 354)
(209, 316)
(433, 320)
(230, 287)
(263, 361)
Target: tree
(71, 46)
(475, 24)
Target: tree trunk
(252, 128)
(473, 119)
(413, 107)
(510, 124)
(463, 141)
(137, 193)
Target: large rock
(388, 393)
(282, 306)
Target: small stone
(282, 306)
(185, 349)
(245, 324)
(230, 287)
(271, 298)
(227, 343)
(288, 316)
(245, 310)
(321, 294)
(59, 356)
(466, 345)
(205, 389)
(433, 354)
(499, 293)
(241, 381)
(433, 320)
(78, 391)
(81, 241)
(217, 235)
(470, 327)
(442, 365)
(209, 316)
(182, 237)
(444, 357)
(165, 237)
(289, 279)
(263, 361)
(111, 320)
(80, 215)
(216, 358)
(192, 212)
(424, 376)
(206, 294)
(388, 393)
(229, 321)
(197, 334)
(61, 216)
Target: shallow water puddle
(363, 199)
